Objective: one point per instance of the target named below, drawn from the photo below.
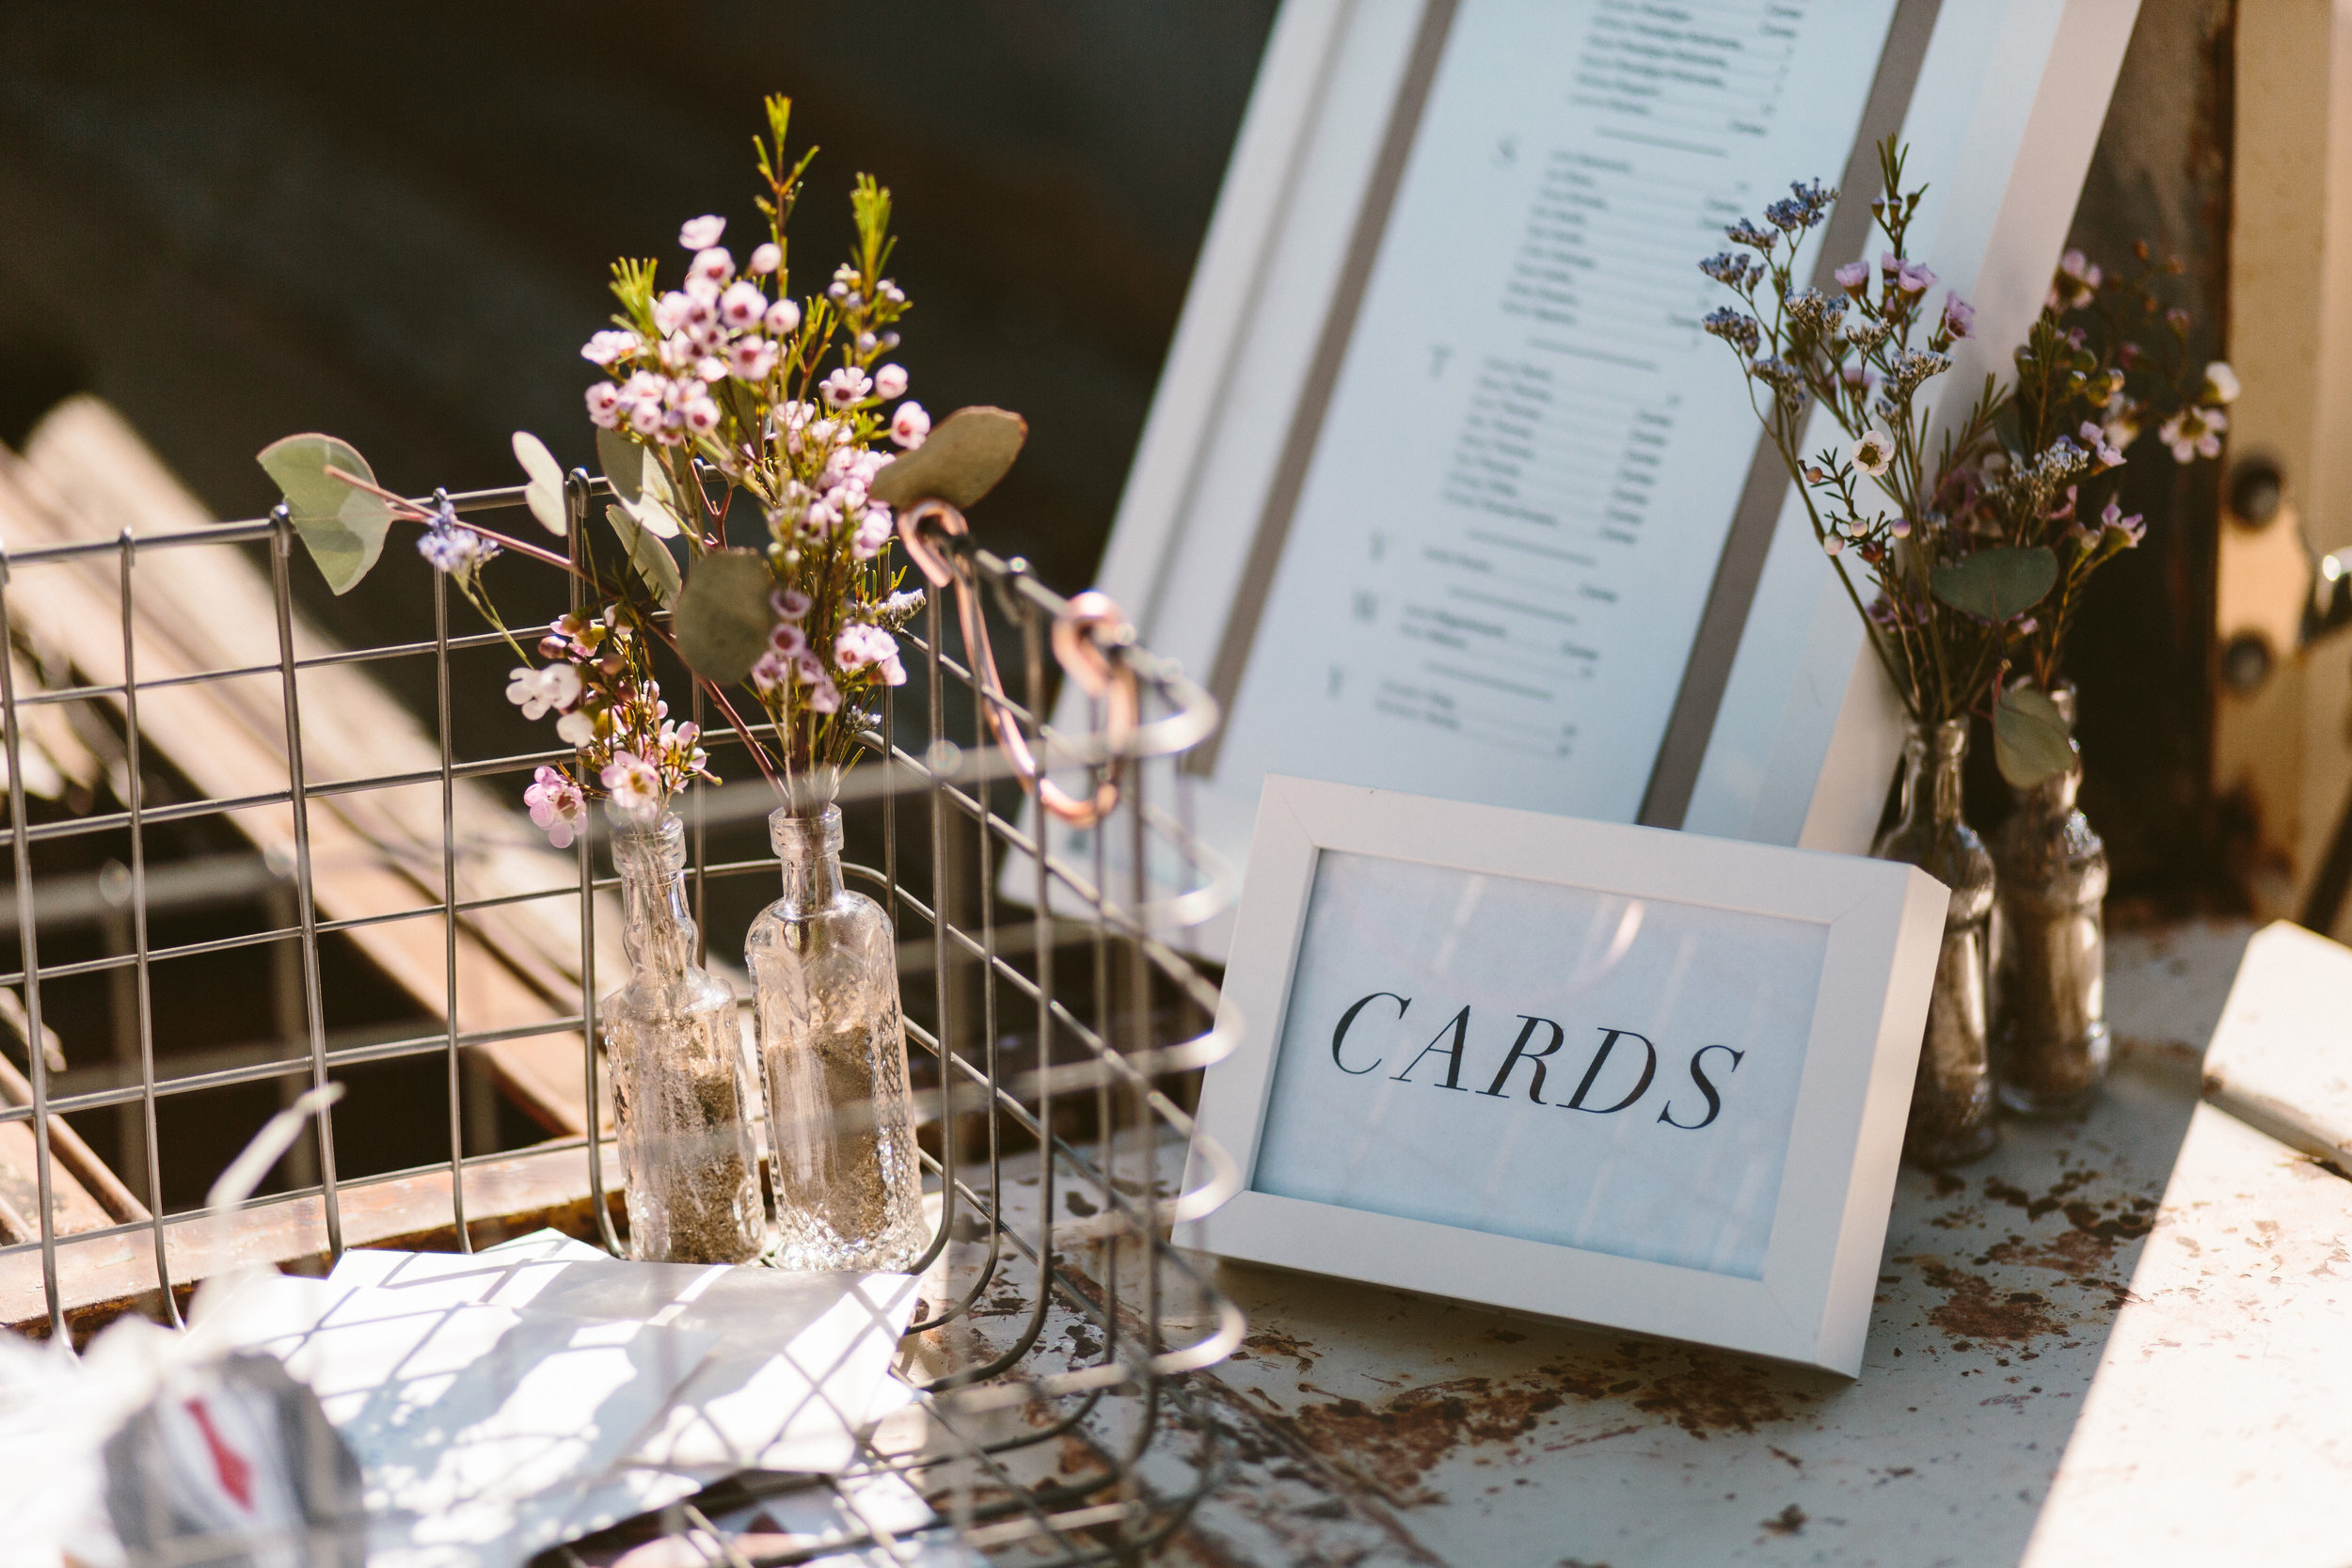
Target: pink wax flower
(557, 806)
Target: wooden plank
(87, 475)
(104, 1276)
(83, 1193)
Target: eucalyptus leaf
(652, 558)
(1996, 585)
(723, 615)
(623, 461)
(544, 492)
(2030, 740)
(640, 483)
(966, 453)
(342, 526)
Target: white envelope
(800, 1365)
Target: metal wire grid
(1151, 1017)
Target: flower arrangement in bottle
(794, 408)
(728, 405)
(1976, 536)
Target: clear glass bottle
(841, 1122)
(2050, 1041)
(1951, 1100)
(684, 1100)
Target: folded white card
(801, 1361)
(481, 1432)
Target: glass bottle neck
(1932, 759)
(658, 929)
(809, 849)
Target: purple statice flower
(1736, 327)
(453, 547)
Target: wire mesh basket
(1051, 1022)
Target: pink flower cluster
(793, 659)
(715, 327)
(609, 710)
(641, 786)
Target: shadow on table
(2001, 1283)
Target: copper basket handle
(1077, 642)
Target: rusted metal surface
(2118, 1340)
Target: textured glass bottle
(841, 1124)
(2050, 1042)
(1951, 1102)
(683, 1099)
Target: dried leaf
(723, 615)
(2030, 740)
(342, 527)
(1996, 585)
(652, 558)
(543, 494)
(966, 454)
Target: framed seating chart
(1445, 491)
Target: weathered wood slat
(83, 1195)
(87, 475)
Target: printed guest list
(1528, 463)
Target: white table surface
(2127, 1339)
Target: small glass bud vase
(841, 1122)
(1951, 1100)
(684, 1100)
(2050, 1042)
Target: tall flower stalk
(791, 404)
(1975, 535)
(729, 409)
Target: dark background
(243, 218)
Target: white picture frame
(2001, 102)
(1791, 1278)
